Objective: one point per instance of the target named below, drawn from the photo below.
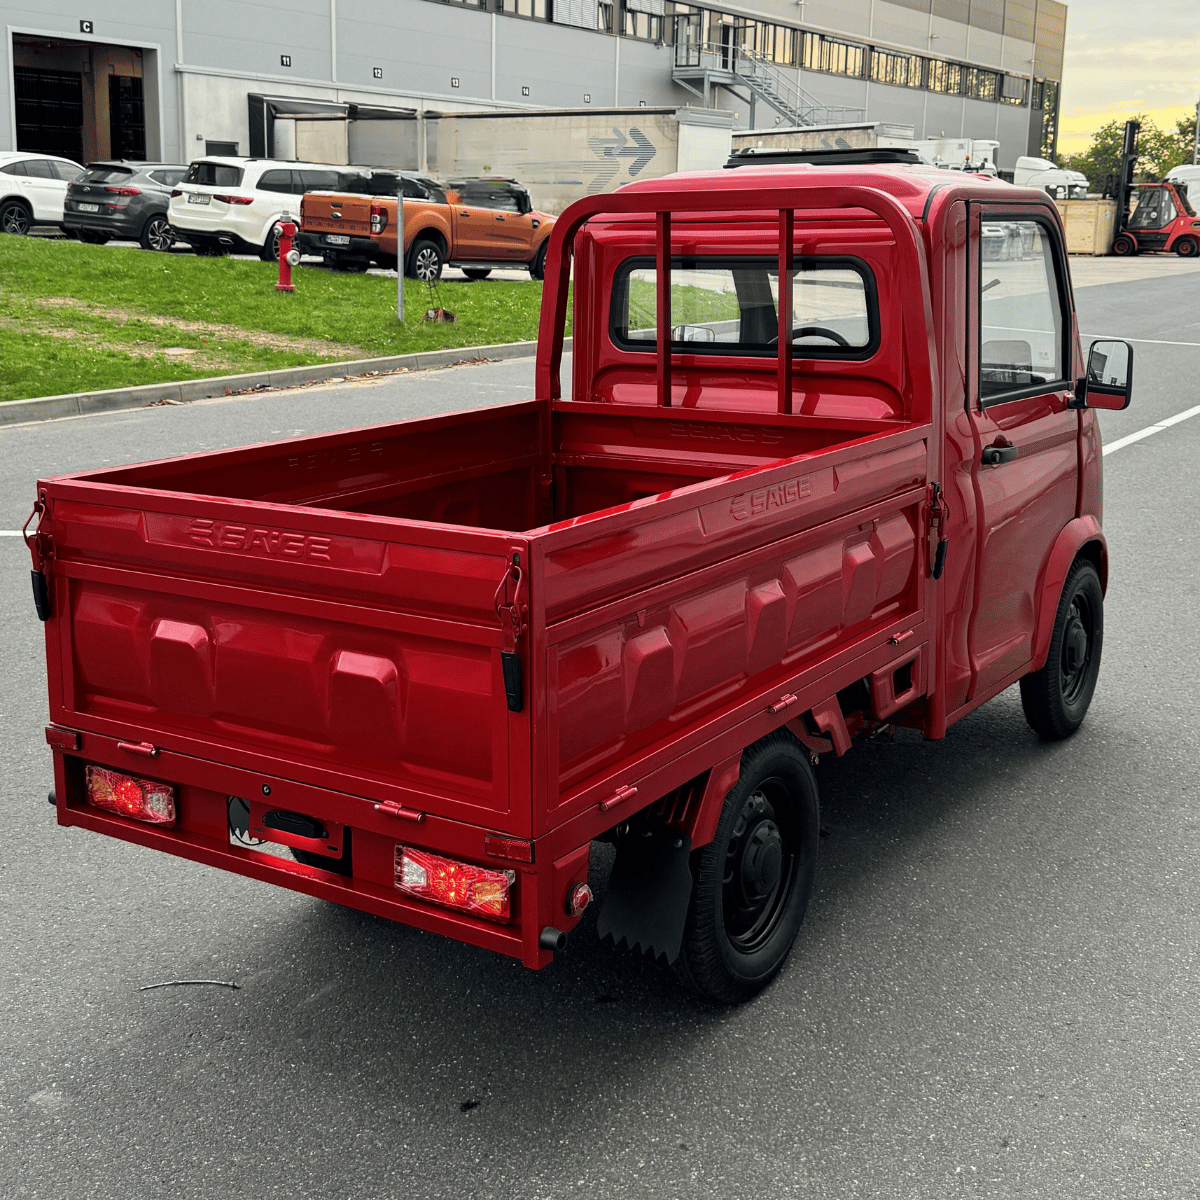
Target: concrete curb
(80, 404)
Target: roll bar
(665, 204)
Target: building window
(538, 10)
(944, 77)
(829, 54)
(900, 70)
(979, 84)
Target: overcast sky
(1124, 58)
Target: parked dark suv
(123, 200)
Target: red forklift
(1162, 218)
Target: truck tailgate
(328, 212)
(352, 651)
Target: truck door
(1025, 465)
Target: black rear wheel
(476, 272)
(1056, 698)
(91, 238)
(752, 882)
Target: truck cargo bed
(326, 608)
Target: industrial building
(172, 79)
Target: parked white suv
(225, 204)
(32, 189)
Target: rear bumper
(201, 833)
(319, 243)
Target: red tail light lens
(141, 799)
(455, 884)
(379, 218)
(235, 199)
(176, 192)
(124, 191)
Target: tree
(1185, 127)
(1158, 151)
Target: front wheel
(752, 882)
(537, 268)
(15, 218)
(1124, 245)
(157, 235)
(425, 261)
(1056, 698)
(1187, 247)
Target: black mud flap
(646, 902)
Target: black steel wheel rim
(760, 867)
(1078, 647)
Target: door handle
(995, 454)
(499, 218)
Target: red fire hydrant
(288, 257)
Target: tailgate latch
(41, 549)
(512, 622)
(937, 533)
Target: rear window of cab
(729, 305)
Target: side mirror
(1109, 379)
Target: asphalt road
(995, 994)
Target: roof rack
(773, 155)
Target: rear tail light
(379, 218)
(235, 199)
(176, 192)
(124, 191)
(455, 884)
(141, 799)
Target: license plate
(89, 208)
(337, 239)
(197, 198)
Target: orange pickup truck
(351, 230)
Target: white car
(225, 204)
(32, 189)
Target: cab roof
(912, 185)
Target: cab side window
(1021, 314)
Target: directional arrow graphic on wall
(611, 151)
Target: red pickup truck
(438, 658)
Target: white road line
(1113, 337)
(10, 533)
(1129, 439)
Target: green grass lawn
(78, 318)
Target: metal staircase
(702, 67)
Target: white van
(225, 204)
(1056, 181)
(1187, 177)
